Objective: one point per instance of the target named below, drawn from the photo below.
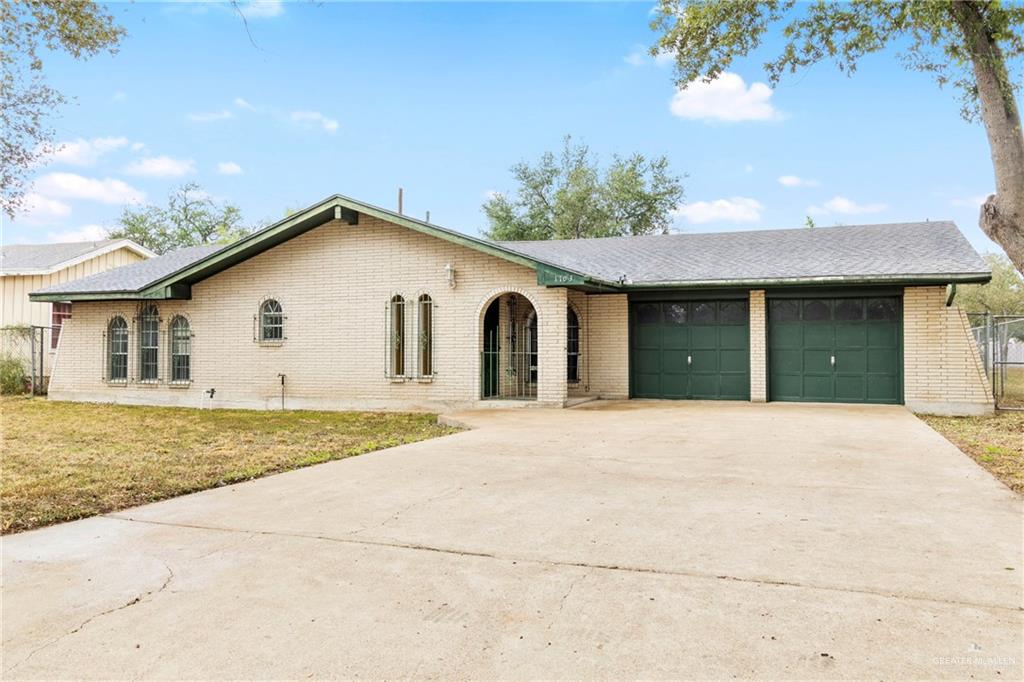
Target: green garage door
(690, 349)
(845, 350)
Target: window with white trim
(425, 346)
(117, 350)
(396, 337)
(271, 321)
(149, 344)
(180, 343)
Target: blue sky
(442, 98)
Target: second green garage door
(690, 349)
(835, 349)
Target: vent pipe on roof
(428, 217)
(399, 201)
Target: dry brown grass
(996, 442)
(63, 461)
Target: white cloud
(797, 181)
(727, 98)
(82, 152)
(86, 233)
(636, 57)
(229, 168)
(844, 206)
(161, 167)
(261, 9)
(210, 116)
(73, 186)
(138, 146)
(969, 202)
(735, 209)
(641, 56)
(36, 208)
(315, 118)
(244, 104)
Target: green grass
(995, 442)
(62, 461)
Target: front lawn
(62, 461)
(995, 442)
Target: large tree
(570, 196)
(28, 29)
(1004, 295)
(191, 218)
(965, 43)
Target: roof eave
(851, 280)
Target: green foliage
(190, 218)
(809, 223)
(12, 375)
(80, 28)
(569, 197)
(706, 36)
(1004, 295)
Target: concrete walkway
(613, 540)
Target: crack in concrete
(394, 516)
(565, 597)
(131, 602)
(703, 575)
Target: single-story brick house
(347, 305)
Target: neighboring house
(347, 305)
(27, 267)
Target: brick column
(758, 352)
(552, 386)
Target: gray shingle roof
(859, 252)
(26, 257)
(847, 252)
(137, 275)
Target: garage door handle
(833, 361)
(689, 359)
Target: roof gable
(44, 259)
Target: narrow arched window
(426, 336)
(396, 337)
(149, 344)
(271, 321)
(181, 350)
(572, 346)
(117, 350)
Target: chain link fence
(1000, 342)
(26, 358)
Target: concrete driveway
(640, 539)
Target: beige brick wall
(334, 284)
(604, 344)
(943, 372)
(758, 350)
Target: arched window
(396, 337)
(271, 321)
(425, 319)
(181, 350)
(572, 346)
(117, 350)
(149, 343)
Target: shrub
(12, 375)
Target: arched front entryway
(508, 349)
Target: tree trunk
(1002, 214)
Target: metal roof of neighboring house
(41, 259)
(131, 278)
(932, 252)
(897, 251)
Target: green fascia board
(866, 280)
(92, 296)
